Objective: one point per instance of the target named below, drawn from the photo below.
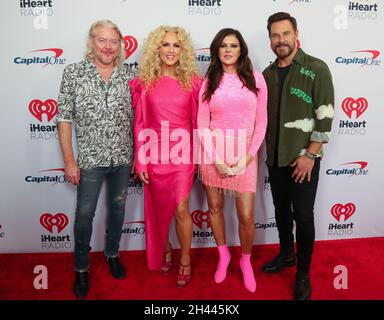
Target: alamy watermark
(209, 146)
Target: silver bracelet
(310, 156)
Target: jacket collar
(298, 58)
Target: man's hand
(241, 165)
(303, 169)
(144, 177)
(72, 172)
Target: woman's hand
(144, 177)
(224, 170)
(242, 164)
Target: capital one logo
(350, 105)
(339, 210)
(355, 168)
(199, 217)
(38, 108)
(47, 59)
(59, 220)
(363, 58)
(130, 44)
(362, 164)
(374, 53)
(134, 228)
(54, 179)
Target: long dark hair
(243, 64)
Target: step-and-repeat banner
(40, 38)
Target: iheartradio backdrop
(41, 37)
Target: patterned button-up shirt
(306, 108)
(102, 114)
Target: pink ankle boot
(224, 259)
(247, 270)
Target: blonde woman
(165, 97)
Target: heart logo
(130, 44)
(199, 217)
(48, 221)
(48, 107)
(339, 210)
(359, 105)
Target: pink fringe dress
(232, 107)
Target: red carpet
(364, 259)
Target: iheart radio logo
(38, 107)
(48, 221)
(339, 210)
(199, 217)
(130, 44)
(358, 105)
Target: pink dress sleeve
(203, 114)
(138, 97)
(203, 124)
(196, 85)
(195, 143)
(261, 114)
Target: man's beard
(283, 55)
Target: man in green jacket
(300, 113)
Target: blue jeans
(88, 192)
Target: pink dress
(233, 107)
(166, 109)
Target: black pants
(295, 201)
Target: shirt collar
(298, 58)
(91, 66)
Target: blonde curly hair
(150, 62)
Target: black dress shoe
(279, 262)
(117, 269)
(80, 288)
(302, 287)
